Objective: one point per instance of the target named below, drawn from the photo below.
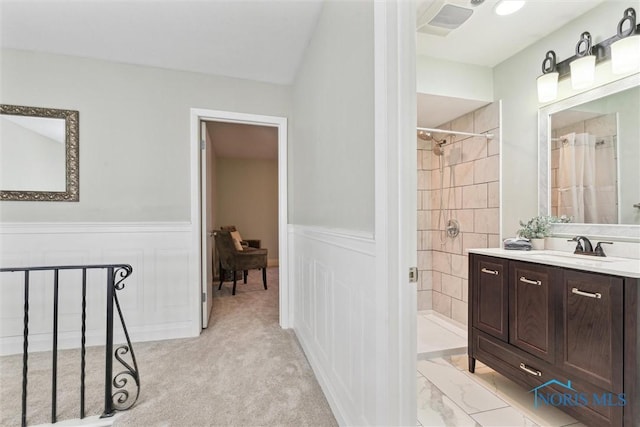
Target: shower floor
(439, 336)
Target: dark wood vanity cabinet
(536, 323)
(590, 341)
(531, 308)
(491, 299)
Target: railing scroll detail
(122, 388)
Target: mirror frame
(72, 160)
(629, 232)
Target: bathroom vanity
(564, 326)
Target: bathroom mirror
(589, 152)
(38, 154)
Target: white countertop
(617, 266)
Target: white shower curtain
(587, 180)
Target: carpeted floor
(244, 370)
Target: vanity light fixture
(548, 81)
(623, 49)
(583, 69)
(507, 7)
(625, 53)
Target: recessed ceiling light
(507, 7)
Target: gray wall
(247, 197)
(134, 131)
(331, 153)
(454, 79)
(515, 84)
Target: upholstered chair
(253, 243)
(243, 259)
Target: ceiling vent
(440, 17)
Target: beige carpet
(244, 370)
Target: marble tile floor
(449, 395)
(452, 337)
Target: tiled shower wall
(471, 195)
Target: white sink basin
(575, 257)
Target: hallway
(243, 370)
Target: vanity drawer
(523, 368)
(531, 372)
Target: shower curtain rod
(453, 132)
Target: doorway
(202, 240)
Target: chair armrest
(255, 243)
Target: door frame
(197, 200)
(396, 187)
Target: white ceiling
(253, 39)
(260, 40)
(487, 39)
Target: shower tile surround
(471, 195)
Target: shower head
(437, 144)
(425, 136)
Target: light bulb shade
(625, 55)
(583, 71)
(507, 7)
(548, 87)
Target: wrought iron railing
(119, 393)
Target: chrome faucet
(587, 249)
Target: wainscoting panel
(156, 300)
(334, 311)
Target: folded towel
(517, 244)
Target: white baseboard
(93, 421)
(446, 322)
(334, 402)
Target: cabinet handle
(577, 291)
(486, 270)
(530, 370)
(531, 282)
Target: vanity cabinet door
(489, 298)
(531, 313)
(591, 342)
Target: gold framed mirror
(39, 154)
